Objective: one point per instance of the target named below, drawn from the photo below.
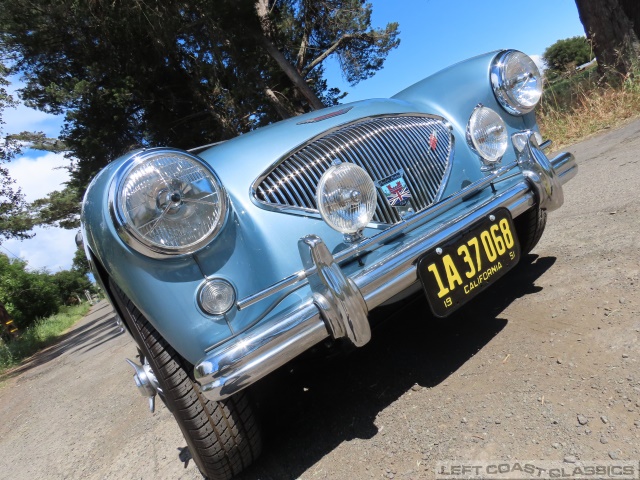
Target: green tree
(565, 55)
(300, 35)
(130, 74)
(80, 262)
(27, 295)
(71, 283)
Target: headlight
(516, 82)
(346, 198)
(487, 134)
(167, 202)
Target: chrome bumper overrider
(339, 305)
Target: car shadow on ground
(85, 337)
(308, 408)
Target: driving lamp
(346, 198)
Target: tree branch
(302, 52)
(323, 56)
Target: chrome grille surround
(382, 145)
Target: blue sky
(434, 34)
(437, 33)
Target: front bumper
(339, 304)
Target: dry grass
(591, 109)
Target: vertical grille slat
(380, 145)
(414, 164)
(300, 192)
(416, 183)
(306, 179)
(283, 189)
(428, 164)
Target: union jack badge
(395, 189)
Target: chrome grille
(380, 145)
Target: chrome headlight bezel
(131, 236)
(500, 83)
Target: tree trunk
(611, 31)
(289, 70)
(281, 107)
(632, 9)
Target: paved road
(73, 412)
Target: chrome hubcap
(146, 382)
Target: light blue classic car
(227, 262)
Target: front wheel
(223, 437)
(530, 227)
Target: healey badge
(395, 189)
(433, 141)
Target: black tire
(530, 227)
(223, 437)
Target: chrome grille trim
(382, 145)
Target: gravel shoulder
(544, 367)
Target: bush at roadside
(40, 334)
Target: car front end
(251, 252)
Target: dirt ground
(543, 367)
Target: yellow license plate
(456, 272)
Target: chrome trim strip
(202, 148)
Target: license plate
(457, 271)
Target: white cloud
(51, 248)
(40, 175)
(23, 118)
(540, 63)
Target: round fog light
(217, 296)
(346, 198)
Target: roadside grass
(580, 107)
(41, 334)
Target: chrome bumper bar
(339, 305)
